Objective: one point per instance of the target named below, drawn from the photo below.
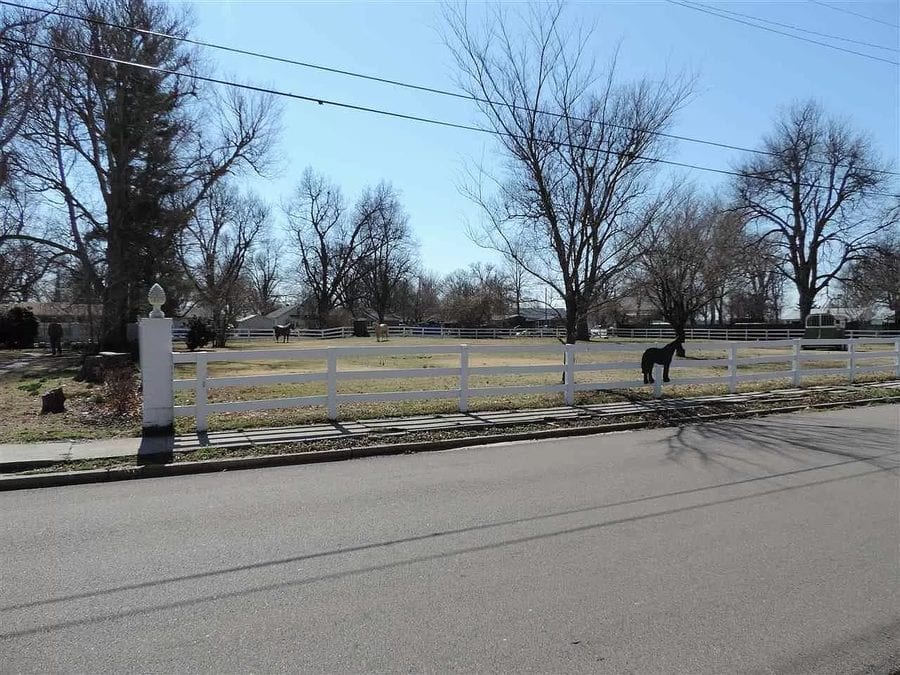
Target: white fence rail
(474, 333)
(737, 333)
(556, 332)
(857, 359)
(393, 331)
(269, 334)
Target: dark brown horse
(661, 356)
(284, 332)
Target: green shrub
(199, 333)
(18, 328)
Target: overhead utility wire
(398, 83)
(849, 11)
(389, 113)
(800, 29)
(715, 13)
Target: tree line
(114, 176)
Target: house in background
(532, 317)
(255, 322)
(627, 310)
(371, 316)
(80, 322)
(872, 315)
(279, 317)
(295, 314)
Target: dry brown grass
(88, 406)
(87, 415)
(682, 369)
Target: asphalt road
(767, 545)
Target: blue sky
(744, 76)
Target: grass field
(91, 410)
(88, 413)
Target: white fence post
(732, 368)
(464, 378)
(657, 381)
(157, 368)
(852, 349)
(897, 352)
(570, 375)
(796, 362)
(332, 384)
(200, 396)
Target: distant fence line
(738, 333)
(393, 331)
(82, 332)
(855, 361)
(555, 332)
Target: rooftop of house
(57, 310)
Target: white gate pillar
(157, 369)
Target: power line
(715, 13)
(804, 30)
(861, 16)
(389, 113)
(396, 83)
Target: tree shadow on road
(751, 442)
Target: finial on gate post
(156, 296)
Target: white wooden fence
(393, 331)
(856, 361)
(736, 333)
(269, 334)
(559, 333)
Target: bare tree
(756, 291)
(214, 248)
(473, 296)
(691, 255)
(875, 278)
(579, 148)
(518, 281)
(330, 241)
(419, 299)
(22, 75)
(125, 154)
(23, 264)
(814, 195)
(388, 250)
(264, 278)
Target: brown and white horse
(283, 332)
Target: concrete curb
(262, 461)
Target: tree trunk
(679, 326)
(583, 333)
(805, 303)
(571, 321)
(115, 299)
(323, 310)
(220, 332)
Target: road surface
(766, 545)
